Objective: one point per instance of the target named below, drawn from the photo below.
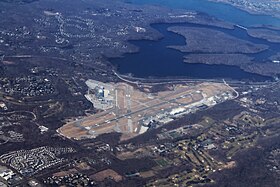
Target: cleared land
(108, 173)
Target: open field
(108, 173)
(132, 110)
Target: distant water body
(219, 10)
(156, 60)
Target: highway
(142, 81)
(161, 81)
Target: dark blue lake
(154, 59)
